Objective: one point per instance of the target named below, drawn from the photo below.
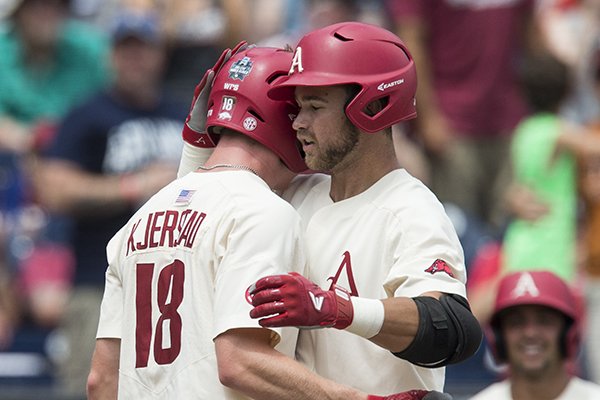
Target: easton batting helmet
(365, 55)
(542, 288)
(238, 101)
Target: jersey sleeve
(260, 242)
(111, 309)
(428, 254)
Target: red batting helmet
(238, 101)
(541, 288)
(357, 53)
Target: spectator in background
(8, 308)
(468, 97)
(302, 16)
(256, 20)
(543, 160)
(48, 63)
(195, 31)
(535, 330)
(543, 194)
(589, 168)
(571, 29)
(110, 154)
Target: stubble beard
(328, 158)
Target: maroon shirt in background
(474, 46)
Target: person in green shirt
(544, 197)
(49, 63)
(540, 165)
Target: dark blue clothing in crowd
(106, 136)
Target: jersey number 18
(170, 281)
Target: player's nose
(300, 122)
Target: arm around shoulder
(248, 363)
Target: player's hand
(413, 395)
(194, 129)
(293, 300)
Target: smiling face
(328, 138)
(531, 335)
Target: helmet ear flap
(359, 112)
(570, 340)
(496, 344)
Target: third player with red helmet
(535, 331)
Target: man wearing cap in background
(535, 331)
(109, 155)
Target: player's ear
(374, 107)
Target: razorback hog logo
(439, 266)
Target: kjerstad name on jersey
(169, 228)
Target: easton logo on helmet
(240, 69)
(297, 61)
(439, 266)
(383, 86)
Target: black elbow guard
(448, 332)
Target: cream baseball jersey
(394, 239)
(577, 389)
(177, 277)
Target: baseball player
(535, 330)
(385, 267)
(175, 319)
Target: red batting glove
(194, 130)
(413, 395)
(293, 300)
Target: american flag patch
(185, 197)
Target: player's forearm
(104, 391)
(103, 379)
(283, 378)
(191, 158)
(431, 329)
(255, 369)
(400, 324)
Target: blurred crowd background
(93, 95)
